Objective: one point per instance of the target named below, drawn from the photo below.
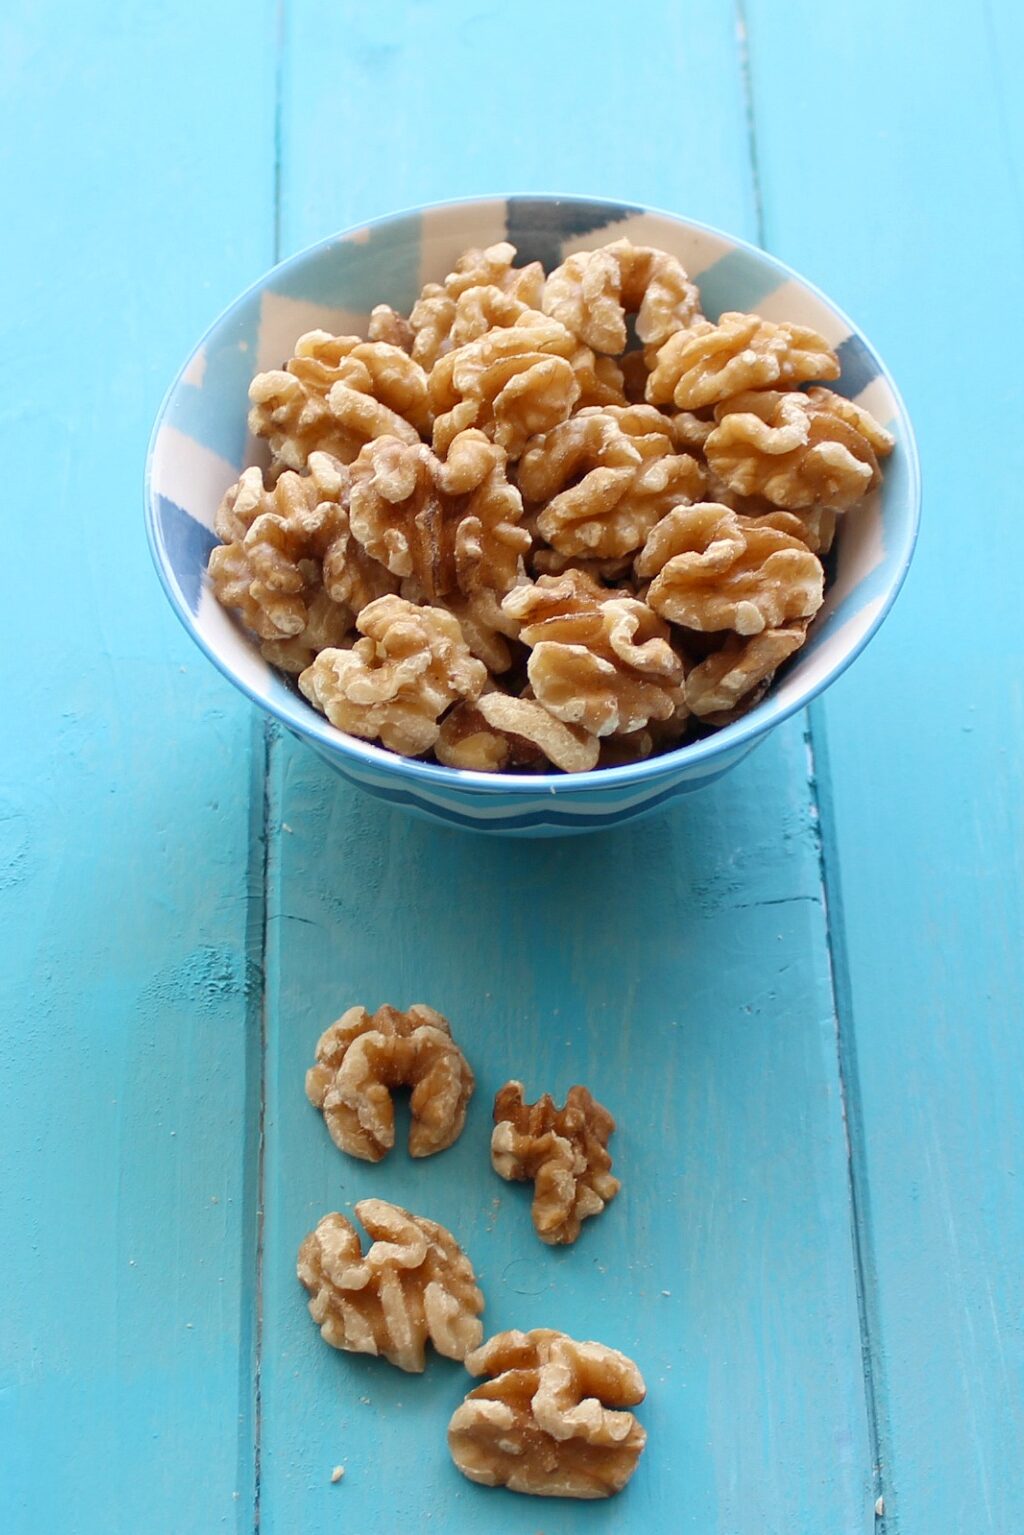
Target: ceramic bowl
(200, 444)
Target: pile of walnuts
(559, 521)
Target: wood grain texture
(126, 1090)
(904, 195)
(680, 969)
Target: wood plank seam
(872, 1354)
(265, 731)
(867, 1320)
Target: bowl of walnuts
(529, 514)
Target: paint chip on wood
(879, 1508)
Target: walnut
(598, 659)
(708, 363)
(434, 316)
(364, 1055)
(413, 1285)
(386, 324)
(394, 684)
(563, 1152)
(334, 395)
(600, 379)
(270, 567)
(593, 291)
(714, 569)
(606, 476)
(733, 679)
(797, 450)
(690, 430)
(499, 732)
(513, 382)
(543, 1423)
(451, 525)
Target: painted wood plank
(891, 143)
(679, 968)
(136, 179)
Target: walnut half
(414, 1285)
(563, 1151)
(394, 684)
(364, 1055)
(544, 1422)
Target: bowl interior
(200, 441)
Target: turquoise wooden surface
(817, 1083)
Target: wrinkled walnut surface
(604, 478)
(451, 525)
(364, 1056)
(592, 292)
(729, 678)
(280, 545)
(546, 1421)
(412, 1286)
(598, 659)
(715, 569)
(334, 395)
(512, 382)
(708, 363)
(563, 1152)
(396, 682)
(501, 732)
(797, 450)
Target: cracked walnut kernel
(451, 525)
(500, 731)
(394, 684)
(562, 1151)
(592, 292)
(731, 680)
(334, 395)
(270, 567)
(715, 569)
(798, 450)
(412, 1286)
(604, 478)
(362, 1057)
(544, 1422)
(709, 363)
(435, 313)
(512, 382)
(598, 659)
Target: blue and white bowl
(200, 444)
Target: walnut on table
(501, 732)
(715, 569)
(336, 394)
(604, 478)
(413, 1285)
(592, 292)
(598, 659)
(270, 567)
(731, 680)
(362, 1057)
(395, 683)
(544, 1423)
(799, 451)
(450, 525)
(709, 363)
(562, 1151)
